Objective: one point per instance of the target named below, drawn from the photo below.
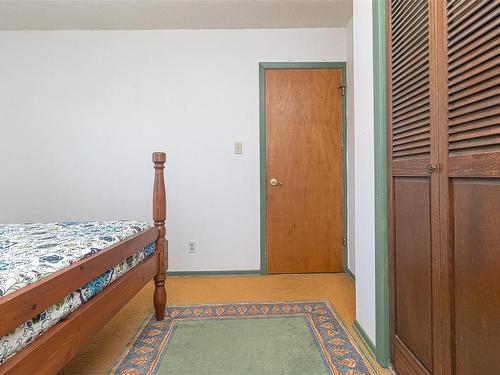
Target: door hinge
(342, 89)
(345, 242)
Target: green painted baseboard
(362, 334)
(350, 274)
(213, 273)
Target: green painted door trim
(262, 141)
(382, 352)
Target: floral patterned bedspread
(30, 252)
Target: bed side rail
(26, 303)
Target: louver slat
(474, 78)
(409, 45)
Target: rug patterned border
(338, 349)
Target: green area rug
(240, 339)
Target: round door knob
(275, 182)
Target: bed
(61, 282)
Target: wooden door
(305, 225)
(413, 201)
(470, 184)
(444, 186)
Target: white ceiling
(169, 14)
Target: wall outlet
(192, 247)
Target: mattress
(30, 252)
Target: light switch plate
(238, 148)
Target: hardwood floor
(103, 349)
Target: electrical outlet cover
(192, 247)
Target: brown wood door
(470, 184)
(304, 155)
(412, 201)
(444, 186)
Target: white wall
(82, 110)
(364, 166)
(351, 243)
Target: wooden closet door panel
(476, 306)
(471, 184)
(412, 186)
(413, 267)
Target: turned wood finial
(159, 216)
(159, 157)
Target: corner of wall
(351, 244)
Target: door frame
(263, 66)
(380, 102)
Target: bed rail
(25, 303)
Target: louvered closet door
(470, 185)
(412, 201)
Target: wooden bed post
(159, 216)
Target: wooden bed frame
(48, 353)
